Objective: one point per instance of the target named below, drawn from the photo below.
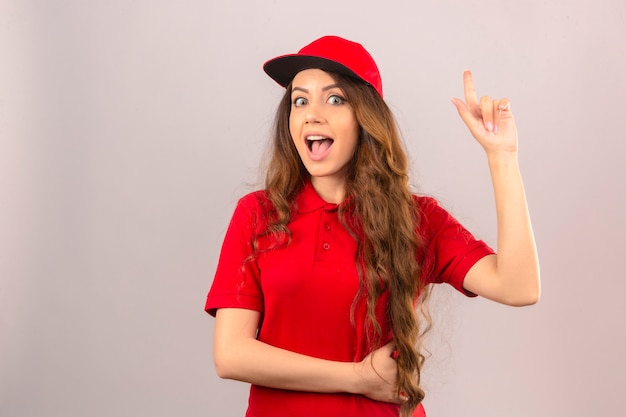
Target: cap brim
(284, 68)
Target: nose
(314, 113)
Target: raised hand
(490, 121)
(512, 276)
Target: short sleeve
(450, 249)
(236, 282)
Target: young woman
(322, 273)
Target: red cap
(330, 53)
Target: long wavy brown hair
(382, 216)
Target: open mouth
(318, 144)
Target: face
(323, 127)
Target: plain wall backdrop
(129, 129)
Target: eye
(335, 99)
(299, 101)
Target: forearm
(517, 265)
(255, 362)
(239, 355)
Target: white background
(129, 129)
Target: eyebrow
(304, 90)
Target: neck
(331, 190)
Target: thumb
(388, 349)
(464, 112)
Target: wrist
(502, 159)
(355, 378)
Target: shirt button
(327, 227)
(326, 246)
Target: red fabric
(305, 291)
(330, 53)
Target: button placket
(327, 233)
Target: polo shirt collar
(309, 200)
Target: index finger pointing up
(470, 91)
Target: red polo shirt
(305, 291)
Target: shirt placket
(327, 233)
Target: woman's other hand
(379, 373)
(489, 120)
